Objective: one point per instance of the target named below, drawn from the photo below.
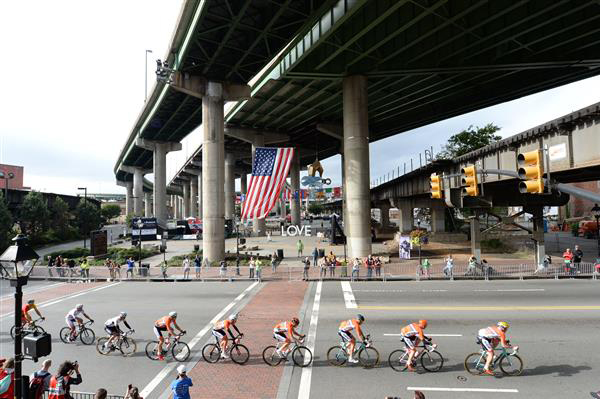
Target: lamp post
(6, 177)
(596, 214)
(17, 263)
(85, 201)
(139, 225)
(146, 76)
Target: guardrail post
(521, 272)
(556, 273)
(486, 273)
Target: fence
(86, 395)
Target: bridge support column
(179, 203)
(538, 234)
(198, 203)
(128, 195)
(229, 186)
(438, 217)
(407, 218)
(475, 237)
(259, 226)
(356, 166)
(148, 205)
(194, 196)
(138, 191)
(283, 206)
(186, 198)
(295, 181)
(384, 209)
(213, 164)
(244, 183)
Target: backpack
(36, 385)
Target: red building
(16, 182)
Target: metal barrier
(86, 395)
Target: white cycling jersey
(113, 322)
(74, 314)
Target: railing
(86, 395)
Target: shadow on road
(561, 370)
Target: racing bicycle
(123, 343)
(510, 363)
(430, 358)
(301, 355)
(174, 346)
(85, 334)
(368, 356)
(32, 328)
(237, 352)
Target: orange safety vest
(57, 389)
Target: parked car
(588, 228)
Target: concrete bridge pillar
(283, 206)
(213, 164)
(538, 234)
(229, 186)
(186, 198)
(128, 195)
(384, 209)
(295, 181)
(138, 191)
(244, 183)
(476, 237)
(148, 205)
(259, 226)
(438, 217)
(407, 217)
(356, 166)
(179, 207)
(198, 203)
(194, 196)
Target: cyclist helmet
(31, 301)
(295, 321)
(503, 325)
(173, 314)
(423, 323)
(360, 318)
(79, 306)
(123, 315)
(233, 317)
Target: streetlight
(146, 76)
(6, 177)
(84, 200)
(139, 225)
(17, 263)
(596, 214)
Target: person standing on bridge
(300, 248)
(577, 258)
(449, 266)
(568, 259)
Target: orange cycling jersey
(166, 321)
(222, 325)
(349, 325)
(412, 330)
(284, 326)
(493, 332)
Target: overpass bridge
(331, 79)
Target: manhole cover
(461, 378)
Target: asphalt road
(555, 323)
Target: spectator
(163, 269)
(577, 258)
(7, 379)
(323, 267)
(300, 247)
(332, 264)
(315, 255)
(306, 268)
(251, 266)
(109, 266)
(132, 393)
(273, 262)
(85, 269)
(269, 236)
(59, 264)
(568, 259)
(258, 266)
(60, 384)
(186, 268)
(369, 266)
(50, 265)
(130, 266)
(181, 385)
(117, 268)
(472, 266)
(197, 263)
(378, 266)
(40, 378)
(425, 267)
(449, 266)
(355, 269)
(223, 268)
(71, 266)
(100, 394)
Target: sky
(73, 86)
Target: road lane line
(171, 366)
(429, 335)
(305, 378)
(348, 295)
(513, 290)
(31, 291)
(487, 390)
(434, 290)
(478, 308)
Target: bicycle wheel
(100, 346)
(302, 356)
(270, 356)
(12, 332)
(368, 357)
(128, 346)
(511, 365)
(432, 361)
(211, 353)
(337, 356)
(37, 330)
(87, 336)
(474, 363)
(398, 360)
(239, 354)
(65, 334)
(181, 351)
(152, 350)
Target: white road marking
(171, 366)
(32, 291)
(429, 335)
(434, 290)
(305, 378)
(513, 290)
(379, 290)
(348, 295)
(488, 390)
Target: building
(578, 207)
(16, 181)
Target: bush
(71, 253)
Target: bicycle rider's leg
(486, 344)
(159, 336)
(410, 345)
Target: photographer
(60, 384)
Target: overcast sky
(73, 85)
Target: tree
(6, 223)
(469, 140)
(61, 218)
(315, 209)
(88, 217)
(34, 215)
(110, 211)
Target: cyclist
(26, 317)
(489, 338)
(285, 332)
(412, 335)
(111, 326)
(165, 324)
(74, 317)
(345, 331)
(220, 329)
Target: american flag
(270, 169)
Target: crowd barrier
(85, 395)
(391, 271)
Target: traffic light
(469, 180)
(436, 186)
(531, 171)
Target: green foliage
(110, 211)
(128, 218)
(6, 224)
(469, 140)
(60, 220)
(71, 253)
(315, 209)
(34, 216)
(88, 217)
(574, 226)
(495, 245)
(120, 255)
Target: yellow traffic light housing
(436, 186)
(531, 172)
(469, 181)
